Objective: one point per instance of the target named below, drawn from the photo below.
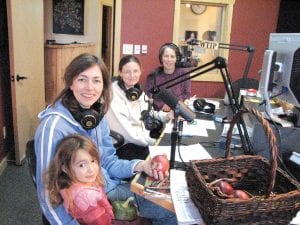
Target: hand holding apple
(160, 163)
(158, 167)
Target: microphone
(176, 105)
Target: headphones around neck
(201, 105)
(89, 118)
(133, 93)
(172, 46)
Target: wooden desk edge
(138, 189)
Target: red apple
(160, 163)
(225, 187)
(241, 194)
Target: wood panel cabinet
(57, 58)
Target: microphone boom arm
(220, 64)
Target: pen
(158, 194)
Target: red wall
(253, 21)
(147, 22)
(151, 22)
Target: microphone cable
(180, 127)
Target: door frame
(108, 26)
(26, 56)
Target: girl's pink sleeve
(94, 207)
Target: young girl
(74, 178)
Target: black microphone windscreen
(168, 98)
(176, 105)
(185, 112)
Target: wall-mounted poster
(68, 17)
(191, 35)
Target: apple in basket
(160, 163)
(241, 194)
(225, 187)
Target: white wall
(92, 25)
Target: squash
(124, 210)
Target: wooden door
(107, 33)
(26, 55)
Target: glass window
(195, 23)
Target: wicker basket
(275, 195)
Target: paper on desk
(186, 211)
(196, 128)
(187, 152)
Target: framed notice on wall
(68, 17)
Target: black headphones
(172, 46)
(201, 105)
(133, 93)
(89, 118)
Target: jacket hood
(59, 110)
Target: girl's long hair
(59, 174)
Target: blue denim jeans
(157, 214)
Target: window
(203, 20)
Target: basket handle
(270, 135)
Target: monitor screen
(267, 75)
(280, 74)
(287, 76)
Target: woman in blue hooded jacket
(80, 108)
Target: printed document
(195, 128)
(186, 211)
(187, 152)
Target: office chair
(118, 141)
(31, 162)
(244, 83)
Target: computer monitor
(280, 73)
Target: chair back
(31, 160)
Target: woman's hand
(190, 100)
(147, 167)
(166, 108)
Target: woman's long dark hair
(77, 66)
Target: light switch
(137, 49)
(127, 49)
(144, 49)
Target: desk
(137, 184)
(215, 151)
(138, 188)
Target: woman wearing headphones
(130, 112)
(169, 58)
(79, 108)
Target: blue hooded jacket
(56, 123)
